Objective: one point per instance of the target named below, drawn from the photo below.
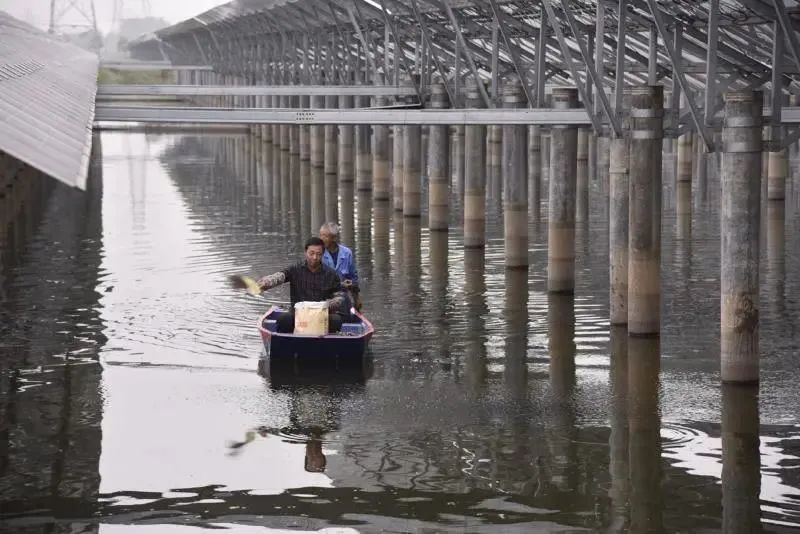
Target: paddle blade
(245, 282)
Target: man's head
(329, 233)
(314, 250)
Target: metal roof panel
(47, 99)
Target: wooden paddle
(239, 281)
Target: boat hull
(352, 344)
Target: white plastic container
(311, 318)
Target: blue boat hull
(352, 343)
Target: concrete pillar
(618, 464)
(294, 165)
(380, 158)
(545, 151)
(346, 169)
(515, 176)
(494, 162)
(438, 164)
(644, 223)
(305, 172)
(317, 170)
(777, 172)
(741, 459)
(644, 422)
(561, 216)
(618, 230)
(603, 155)
(474, 176)
(397, 166)
(741, 205)
(458, 159)
(284, 167)
(534, 171)
(582, 177)
(412, 178)
(363, 152)
(683, 185)
(275, 174)
(701, 175)
(331, 164)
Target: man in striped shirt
(309, 280)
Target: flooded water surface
(128, 368)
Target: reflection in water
(619, 491)
(475, 308)
(646, 499)
(741, 463)
(516, 320)
(51, 333)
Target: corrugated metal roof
(47, 92)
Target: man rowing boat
(309, 280)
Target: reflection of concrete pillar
(475, 304)
(397, 166)
(561, 343)
(776, 262)
(412, 176)
(474, 177)
(561, 213)
(331, 165)
(535, 171)
(644, 434)
(618, 230)
(515, 172)
(619, 492)
(438, 165)
(644, 223)
(582, 177)
(741, 460)
(515, 371)
(741, 205)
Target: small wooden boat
(350, 343)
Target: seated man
(309, 280)
(341, 259)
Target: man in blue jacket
(341, 259)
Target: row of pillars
(634, 165)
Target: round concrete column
(582, 176)
(380, 158)
(412, 178)
(561, 216)
(438, 164)
(397, 166)
(644, 224)
(741, 205)
(474, 176)
(317, 170)
(618, 230)
(534, 171)
(776, 175)
(515, 174)
(331, 164)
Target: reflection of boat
(350, 343)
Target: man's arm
(273, 280)
(337, 298)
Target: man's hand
(262, 281)
(347, 283)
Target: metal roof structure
(47, 99)
(695, 47)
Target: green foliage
(132, 77)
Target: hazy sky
(37, 12)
